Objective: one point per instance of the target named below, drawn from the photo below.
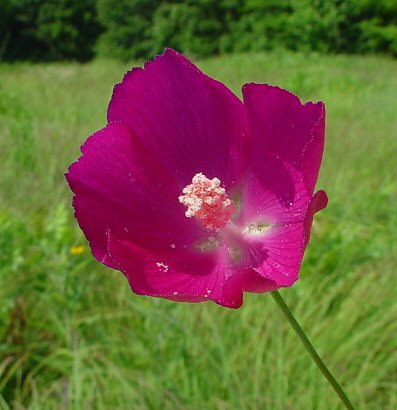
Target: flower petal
(274, 195)
(174, 274)
(284, 246)
(249, 280)
(121, 187)
(281, 125)
(191, 122)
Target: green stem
(309, 347)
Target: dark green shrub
(49, 30)
(69, 29)
(127, 26)
(194, 27)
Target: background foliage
(48, 29)
(73, 336)
(125, 29)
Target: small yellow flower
(77, 250)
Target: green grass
(73, 336)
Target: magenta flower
(194, 194)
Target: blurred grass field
(73, 336)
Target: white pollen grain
(163, 267)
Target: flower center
(207, 201)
